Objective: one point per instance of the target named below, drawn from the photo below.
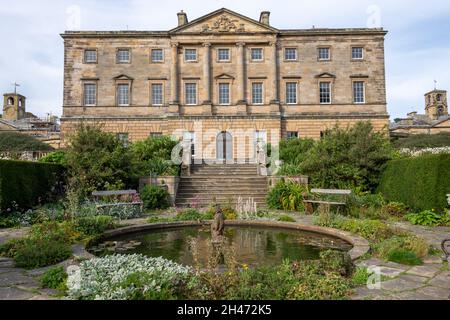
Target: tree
(14, 141)
(96, 160)
(348, 158)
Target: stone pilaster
(207, 103)
(241, 80)
(274, 74)
(174, 107)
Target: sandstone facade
(257, 57)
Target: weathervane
(15, 84)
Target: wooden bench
(343, 194)
(97, 195)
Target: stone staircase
(223, 184)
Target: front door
(224, 146)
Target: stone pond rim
(360, 245)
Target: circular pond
(250, 245)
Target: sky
(417, 46)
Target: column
(207, 73)
(241, 81)
(174, 96)
(275, 98)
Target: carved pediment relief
(223, 21)
(123, 77)
(224, 24)
(225, 76)
(326, 75)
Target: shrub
(121, 277)
(404, 257)
(155, 197)
(13, 141)
(294, 151)
(395, 209)
(360, 277)
(96, 160)
(153, 156)
(40, 253)
(286, 196)
(348, 158)
(424, 141)
(95, 225)
(285, 218)
(26, 184)
(421, 183)
(428, 218)
(191, 215)
(409, 243)
(57, 157)
(54, 278)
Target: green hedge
(28, 183)
(422, 183)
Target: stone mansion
(224, 81)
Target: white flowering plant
(126, 277)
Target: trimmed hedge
(421, 183)
(28, 183)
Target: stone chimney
(182, 18)
(264, 18)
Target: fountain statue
(217, 226)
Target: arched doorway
(224, 146)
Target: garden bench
(342, 201)
(117, 193)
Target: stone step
(224, 177)
(219, 189)
(222, 194)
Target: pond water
(253, 246)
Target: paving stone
(7, 263)
(428, 271)
(42, 297)
(435, 292)
(400, 284)
(395, 265)
(16, 278)
(7, 270)
(14, 294)
(418, 279)
(442, 280)
(432, 260)
(412, 295)
(370, 263)
(390, 272)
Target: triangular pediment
(224, 76)
(223, 21)
(325, 75)
(123, 77)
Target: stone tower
(13, 106)
(436, 104)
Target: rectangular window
(90, 94)
(190, 54)
(358, 92)
(123, 56)
(155, 134)
(224, 93)
(157, 55)
(223, 54)
(357, 53)
(292, 135)
(90, 56)
(324, 54)
(157, 94)
(325, 92)
(290, 54)
(123, 138)
(291, 92)
(123, 94)
(257, 54)
(257, 93)
(191, 93)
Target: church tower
(436, 104)
(13, 106)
